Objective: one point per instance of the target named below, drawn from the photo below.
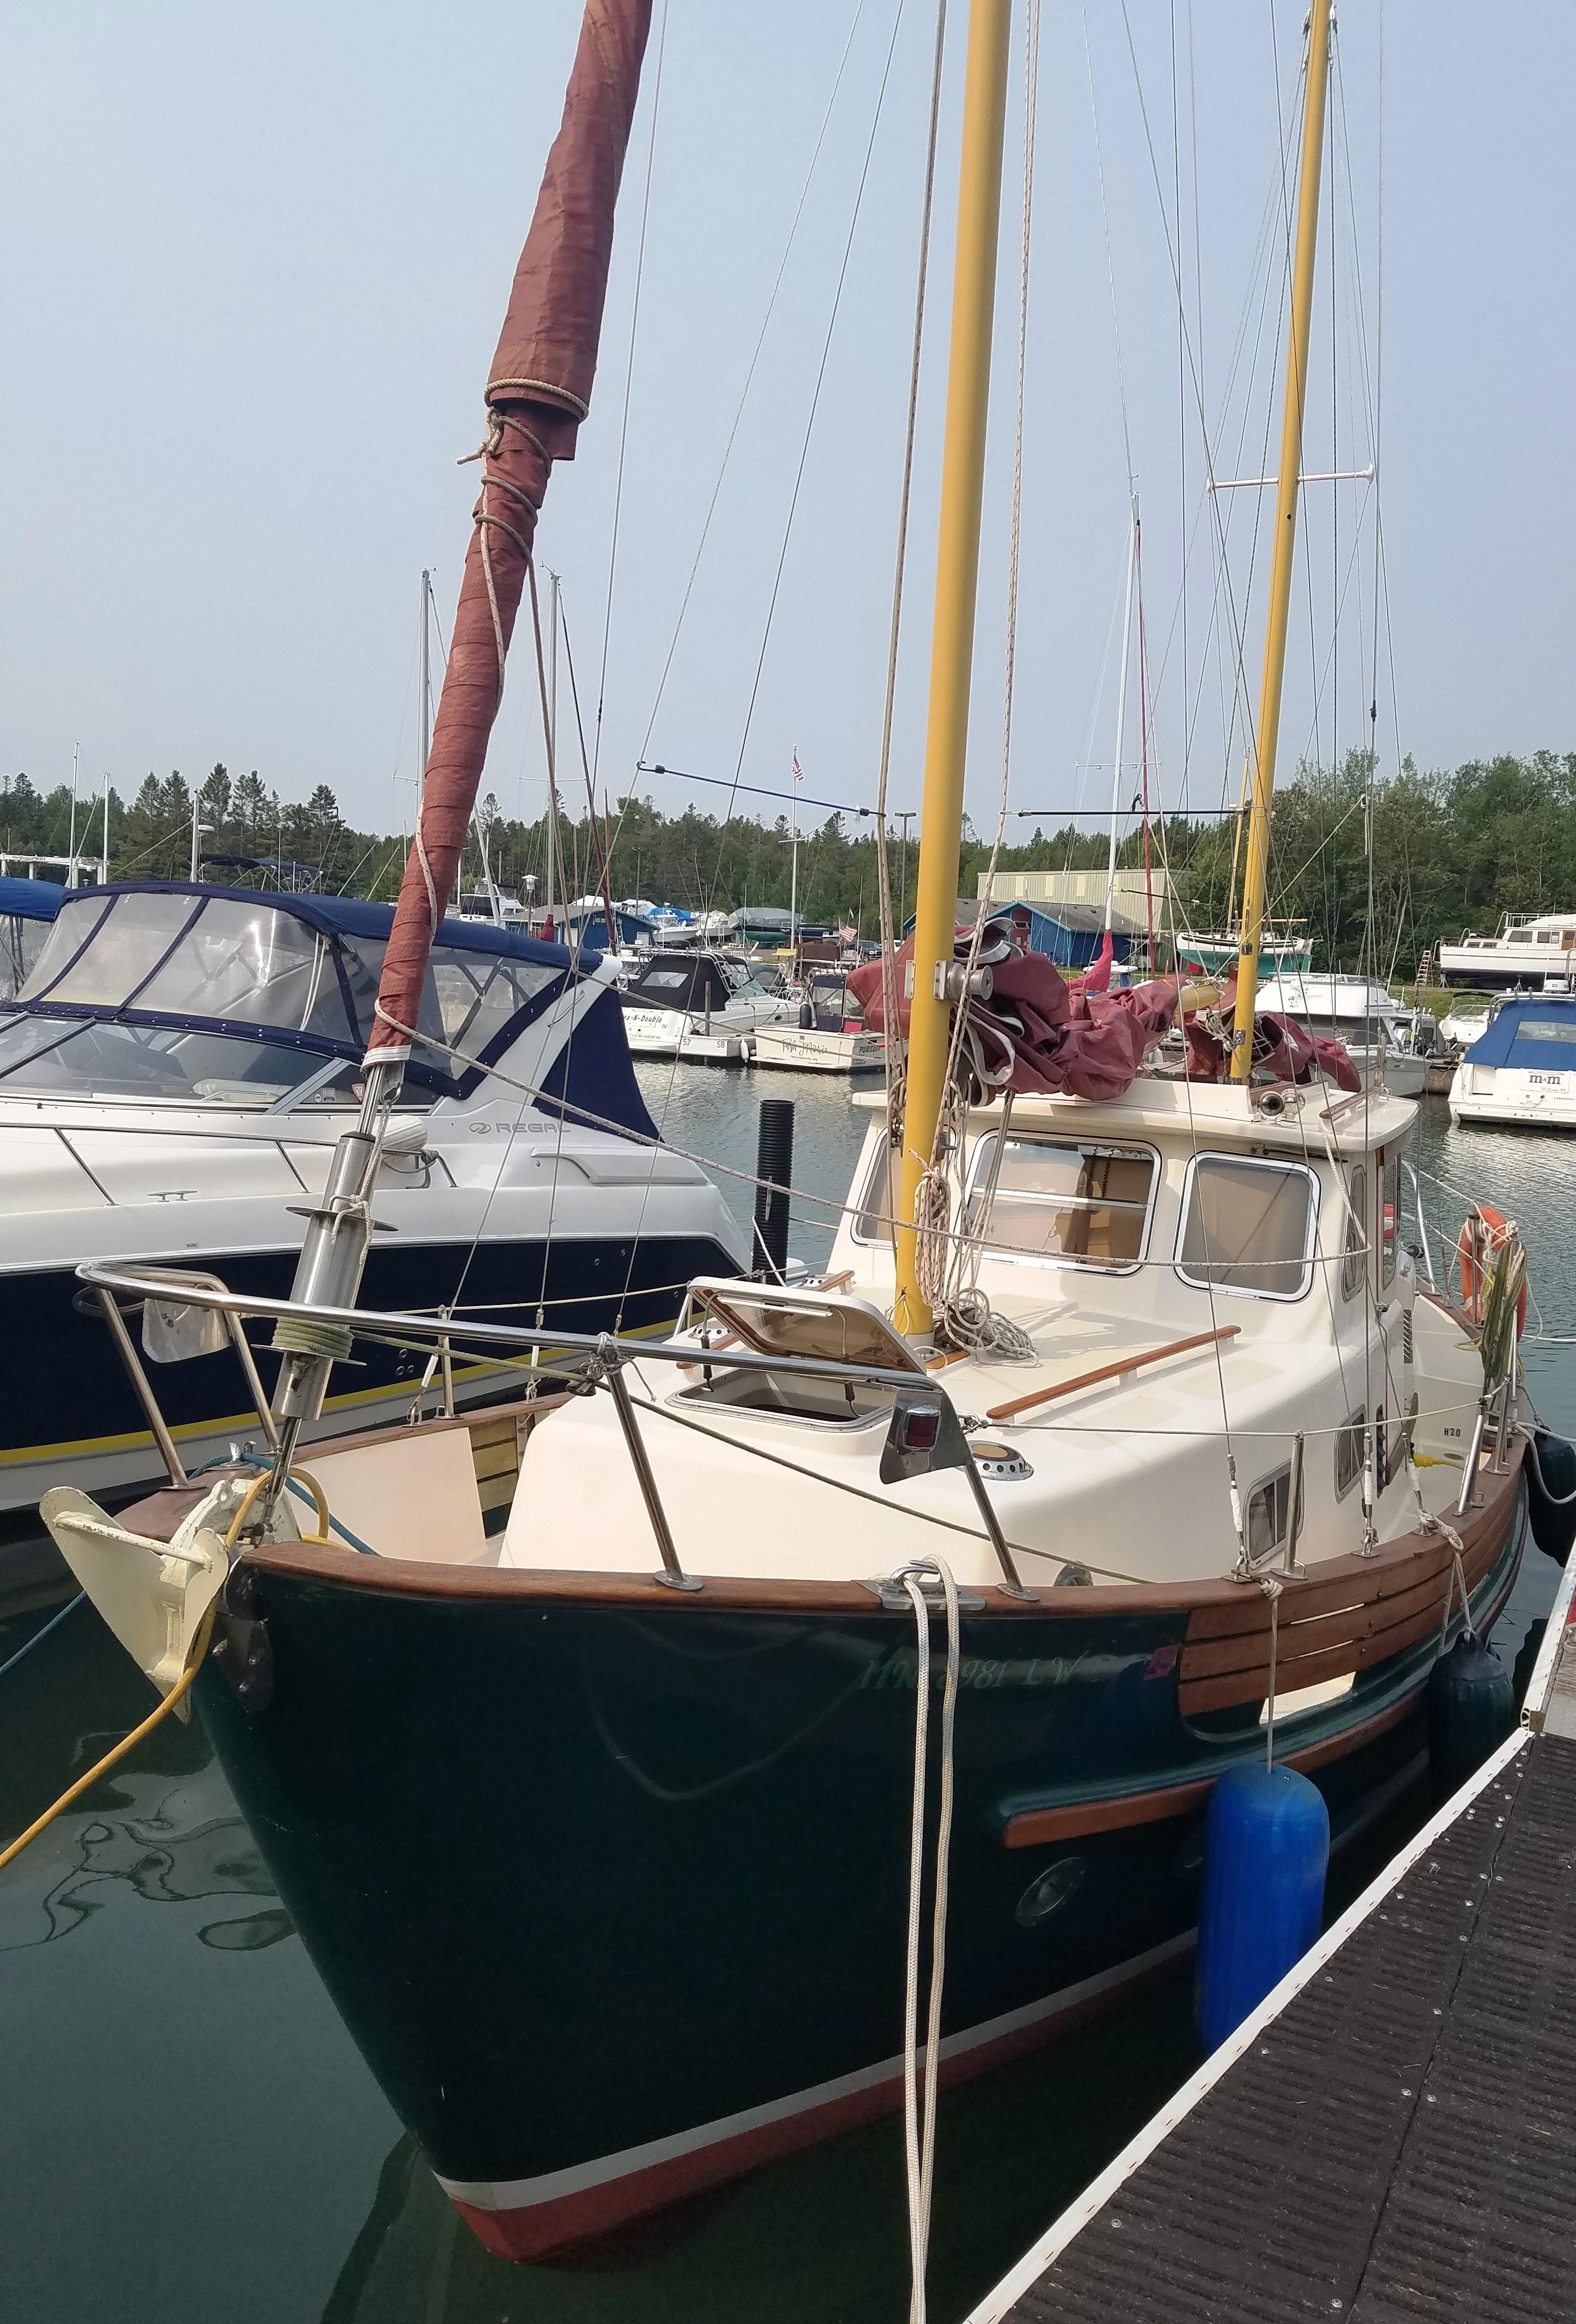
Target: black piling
(774, 1168)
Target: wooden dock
(1392, 2134)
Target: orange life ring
(1485, 1232)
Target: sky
(254, 262)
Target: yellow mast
(1255, 876)
(952, 650)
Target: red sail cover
(539, 390)
(1041, 1034)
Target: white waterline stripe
(515, 2194)
(997, 2304)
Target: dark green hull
(611, 1892)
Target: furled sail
(539, 390)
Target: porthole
(1056, 1886)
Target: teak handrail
(1111, 1372)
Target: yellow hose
(128, 1743)
(182, 1686)
(319, 1540)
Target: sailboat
(1119, 1423)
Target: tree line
(1416, 856)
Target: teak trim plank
(1111, 1372)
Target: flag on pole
(798, 770)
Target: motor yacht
(1538, 952)
(1380, 1033)
(1522, 1068)
(174, 1073)
(702, 1005)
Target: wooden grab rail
(1111, 1372)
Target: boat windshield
(186, 978)
(174, 955)
(62, 1057)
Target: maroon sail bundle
(1041, 1034)
(539, 390)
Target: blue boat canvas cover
(192, 990)
(1536, 1035)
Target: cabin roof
(1275, 1118)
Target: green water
(187, 2133)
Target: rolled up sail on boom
(538, 390)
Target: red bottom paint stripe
(531, 2230)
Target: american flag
(798, 770)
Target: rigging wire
(623, 432)
(885, 931)
(749, 377)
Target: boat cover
(1537, 1035)
(1042, 1034)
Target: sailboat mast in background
(1121, 709)
(1256, 871)
(952, 652)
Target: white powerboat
(702, 1005)
(829, 1037)
(173, 1077)
(1538, 952)
(1378, 1031)
(1522, 1067)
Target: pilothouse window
(1061, 1199)
(1248, 1227)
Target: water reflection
(160, 1858)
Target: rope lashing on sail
(919, 2119)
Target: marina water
(190, 2133)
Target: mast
(1121, 710)
(963, 479)
(555, 837)
(426, 750)
(1256, 871)
(794, 870)
(71, 845)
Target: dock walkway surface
(1392, 2133)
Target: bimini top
(30, 900)
(161, 992)
(1535, 1034)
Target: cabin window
(1269, 1507)
(878, 1202)
(1248, 1227)
(1389, 1216)
(1544, 1029)
(1349, 1445)
(1062, 1200)
(1354, 1260)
